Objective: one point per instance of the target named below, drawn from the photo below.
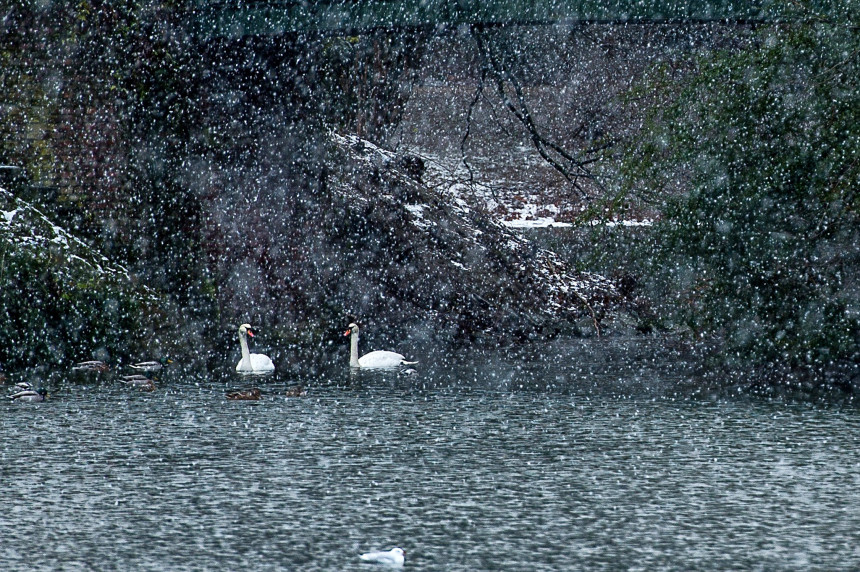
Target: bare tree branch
(463, 156)
(571, 167)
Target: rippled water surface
(488, 463)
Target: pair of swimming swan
(260, 363)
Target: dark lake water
(547, 459)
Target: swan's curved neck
(243, 341)
(353, 349)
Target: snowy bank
(455, 261)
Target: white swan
(393, 557)
(252, 363)
(373, 360)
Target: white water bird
(372, 360)
(252, 363)
(393, 557)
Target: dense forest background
(742, 145)
(753, 161)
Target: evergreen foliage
(62, 302)
(756, 165)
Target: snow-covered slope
(60, 300)
(478, 269)
(23, 226)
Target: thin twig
(520, 109)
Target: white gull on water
(393, 557)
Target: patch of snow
(9, 215)
(545, 222)
(625, 223)
(416, 210)
(418, 216)
(549, 222)
(30, 228)
(645, 222)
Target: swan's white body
(372, 360)
(393, 557)
(252, 363)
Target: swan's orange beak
(250, 333)
(348, 332)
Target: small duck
(29, 396)
(95, 366)
(151, 365)
(138, 381)
(21, 386)
(296, 391)
(147, 385)
(248, 395)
